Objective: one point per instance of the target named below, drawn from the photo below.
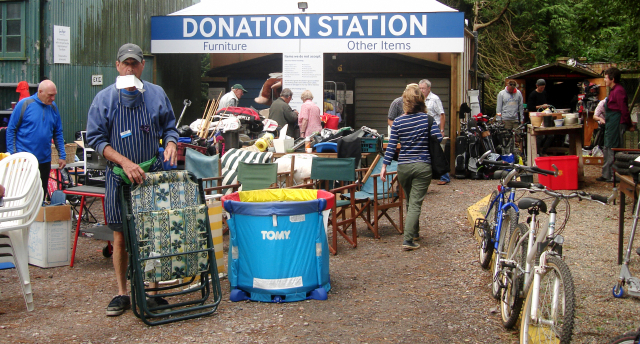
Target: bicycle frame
(531, 252)
(502, 207)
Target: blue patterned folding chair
(167, 234)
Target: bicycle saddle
(529, 202)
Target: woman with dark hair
(617, 120)
(411, 131)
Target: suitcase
(3, 140)
(462, 156)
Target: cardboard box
(50, 237)
(281, 145)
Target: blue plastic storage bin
(326, 147)
(278, 249)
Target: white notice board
(300, 72)
(61, 44)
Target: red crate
(567, 178)
(182, 150)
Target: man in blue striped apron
(125, 125)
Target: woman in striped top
(414, 162)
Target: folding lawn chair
(167, 234)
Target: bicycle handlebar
(524, 185)
(541, 171)
(580, 194)
(496, 163)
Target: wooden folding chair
(381, 196)
(254, 176)
(325, 172)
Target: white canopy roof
(264, 7)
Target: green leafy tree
(516, 35)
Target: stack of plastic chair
(22, 201)
(167, 234)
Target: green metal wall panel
(75, 92)
(98, 28)
(27, 69)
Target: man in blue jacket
(33, 123)
(125, 125)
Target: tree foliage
(516, 35)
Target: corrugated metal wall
(374, 96)
(98, 28)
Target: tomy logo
(275, 235)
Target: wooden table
(322, 155)
(575, 143)
(626, 187)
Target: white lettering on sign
(309, 33)
(315, 26)
(275, 235)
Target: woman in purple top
(617, 120)
(412, 132)
(309, 117)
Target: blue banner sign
(366, 32)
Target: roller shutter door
(374, 95)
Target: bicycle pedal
(508, 265)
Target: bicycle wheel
(486, 244)
(513, 278)
(509, 223)
(627, 338)
(555, 307)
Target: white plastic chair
(22, 201)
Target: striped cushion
(233, 157)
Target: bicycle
(632, 337)
(499, 222)
(536, 252)
(511, 141)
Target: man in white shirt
(233, 97)
(435, 110)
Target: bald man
(33, 123)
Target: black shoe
(601, 179)
(153, 302)
(410, 246)
(118, 305)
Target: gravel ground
(380, 294)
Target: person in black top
(537, 99)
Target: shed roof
(262, 7)
(555, 70)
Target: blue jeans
(445, 178)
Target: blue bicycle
(500, 221)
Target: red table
(85, 191)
